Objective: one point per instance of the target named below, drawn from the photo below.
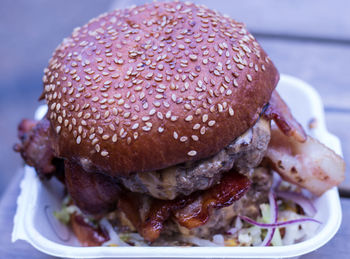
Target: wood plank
(313, 18)
(324, 66)
(31, 31)
(11, 113)
(338, 123)
(319, 19)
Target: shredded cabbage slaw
(281, 222)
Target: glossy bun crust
(152, 86)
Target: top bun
(151, 86)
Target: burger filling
(243, 154)
(187, 198)
(191, 203)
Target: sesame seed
(175, 135)
(256, 67)
(188, 107)
(111, 126)
(195, 137)
(152, 111)
(189, 118)
(220, 108)
(135, 126)
(183, 139)
(114, 138)
(160, 115)
(196, 126)
(104, 153)
(94, 141)
(240, 66)
(235, 83)
(205, 118)
(106, 115)
(193, 57)
(78, 140)
(192, 153)
(249, 77)
(211, 123)
(231, 111)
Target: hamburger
(159, 125)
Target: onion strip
(274, 216)
(299, 199)
(278, 224)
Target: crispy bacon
(279, 112)
(191, 211)
(130, 204)
(310, 164)
(197, 212)
(87, 233)
(159, 212)
(35, 148)
(151, 225)
(93, 193)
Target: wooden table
(306, 39)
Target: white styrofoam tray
(34, 221)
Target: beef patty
(244, 154)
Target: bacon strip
(191, 211)
(310, 164)
(87, 234)
(160, 211)
(196, 213)
(35, 148)
(94, 193)
(279, 112)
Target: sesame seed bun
(152, 86)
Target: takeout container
(34, 221)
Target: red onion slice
(274, 216)
(299, 199)
(278, 224)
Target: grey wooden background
(307, 39)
